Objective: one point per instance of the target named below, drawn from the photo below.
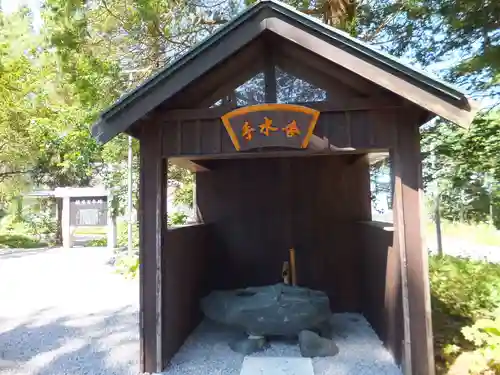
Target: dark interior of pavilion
(308, 215)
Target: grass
(478, 233)
(19, 241)
(91, 230)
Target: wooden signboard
(88, 211)
(270, 126)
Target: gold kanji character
(247, 130)
(267, 126)
(291, 130)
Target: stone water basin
(274, 310)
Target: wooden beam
(225, 78)
(336, 89)
(390, 81)
(276, 154)
(406, 164)
(297, 54)
(151, 214)
(269, 73)
(354, 104)
(189, 165)
(185, 76)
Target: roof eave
(107, 127)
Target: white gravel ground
(65, 312)
(465, 249)
(361, 352)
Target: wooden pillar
(67, 236)
(111, 222)
(406, 167)
(151, 220)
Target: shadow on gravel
(99, 344)
(19, 253)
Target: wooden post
(270, 75)
(66, 223)
(111, 223)
(437, 217)
(151, 219)
(407, 213)
(292, 267)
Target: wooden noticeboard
(88, 211)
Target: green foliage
(36, 221)
(19, 241)
(41, 225)
(342, 14)
(98, 242)
(128, 265)
(20, 83)
(177, 218)
(122, 235)
(463, 287)
(467, 168)
(463, 292)
(485, 334)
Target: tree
(20, 82)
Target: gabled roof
(428, 92)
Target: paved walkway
(65, 312)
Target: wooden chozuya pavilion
(271, 176)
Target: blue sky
(12, 5)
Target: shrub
(485, 334)
(128, 265)
(98, 242)
(19, 241)
(463, 287)
(463, 291)
(122, 235)
(176, 219)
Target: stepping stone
(312, 345)
(277, 366)
(248, 346)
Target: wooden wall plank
(186, 280)
(339, 132)
(170, 137)
(227, 146)
(320, 199)
(210, 136)
(381, 285)
(383, 129)
(360, 130)
(363, 130)
(190, 138)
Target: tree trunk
(437, 218)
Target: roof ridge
(329, 34)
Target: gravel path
(465, 249)
(65, 312)
(206, 351)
